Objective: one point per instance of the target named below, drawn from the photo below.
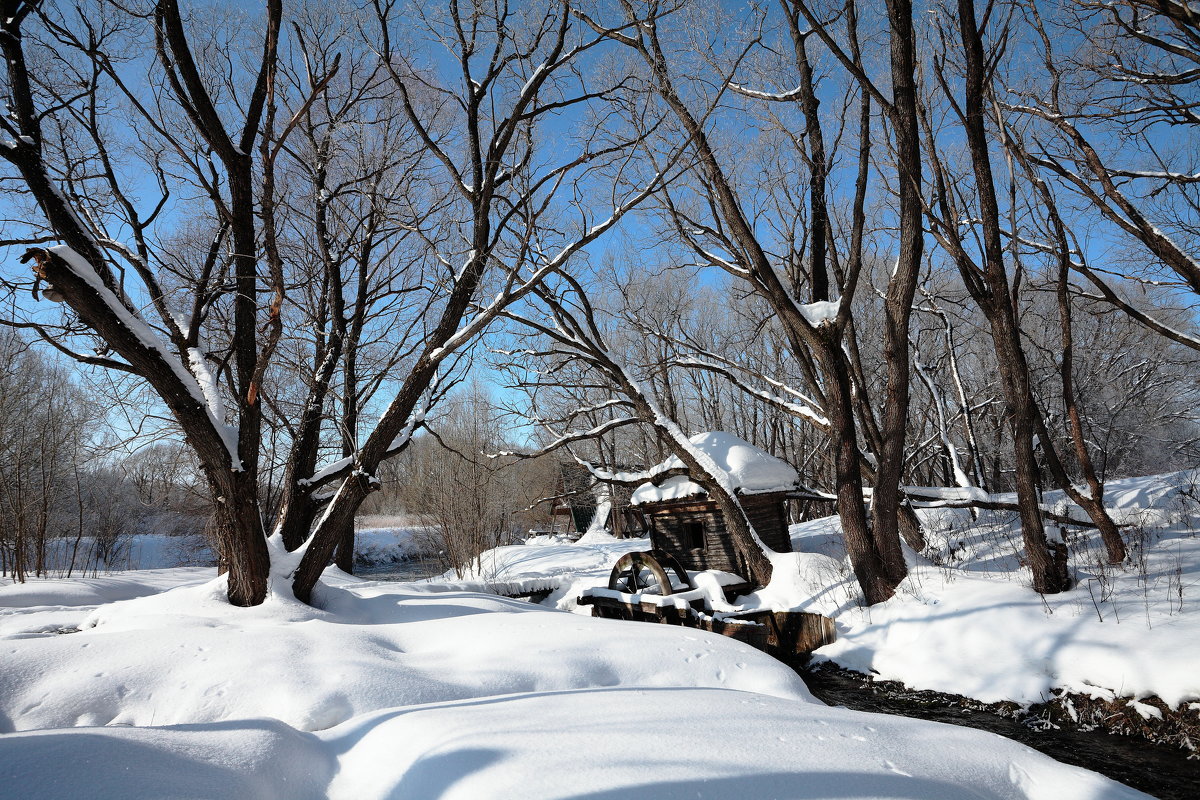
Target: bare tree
(1106, 114)
(471, 501)
(202, 325)
(44, 424)
(719, 231)
(569, 346)
(506, 197)
(989, 282)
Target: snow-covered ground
(965, 621)
(548, 563)
(149, 685)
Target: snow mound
(967, 621)
(686, 743)
(799, 582)
(186, 656)
(84, 591)
(423, 690)
(750, 470)
(247, 759)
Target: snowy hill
(148, 684)
(421, 691)
(966, 621)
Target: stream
(1157, 770)
(413, 569)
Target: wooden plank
(800, 632)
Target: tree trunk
(298, 509)
(992, 291)
(343, 556)
(875, 576)
(901, 288)
(241, 540)
(338, 517)
(1093, 503)
(297, 512)
(1047, 559)
(910, 528)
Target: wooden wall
(669, 521)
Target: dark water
(415, 569)
(1158, 770)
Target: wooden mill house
(684, 522)
(688, 535)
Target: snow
(377, 546)
(673, 488)
(213, 400)
(749, 470)
(513, 746)
(546, 562)
(600, 517)
(533, 77)
(149, 684)
(680, 600)
(822, 312)
(966, 621)
(689, 743)
(809, 582)
(423, 690)
(85, 591)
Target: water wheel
(647, 573)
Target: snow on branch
(776, 97)
(569, 438)
(804, 411)
(347, 465)
(197, 379)
(654, 475)
(822, 312)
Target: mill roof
(748, 470)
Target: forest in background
(898, 246)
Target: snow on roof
(750, 470)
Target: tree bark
(875, 577)
(241, 540)
(901, 289)
(1093, 502)
(990, 288)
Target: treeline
(898, 246)
(452, 483)
(1140, 390)
(72, 498)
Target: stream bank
(1161, 770)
